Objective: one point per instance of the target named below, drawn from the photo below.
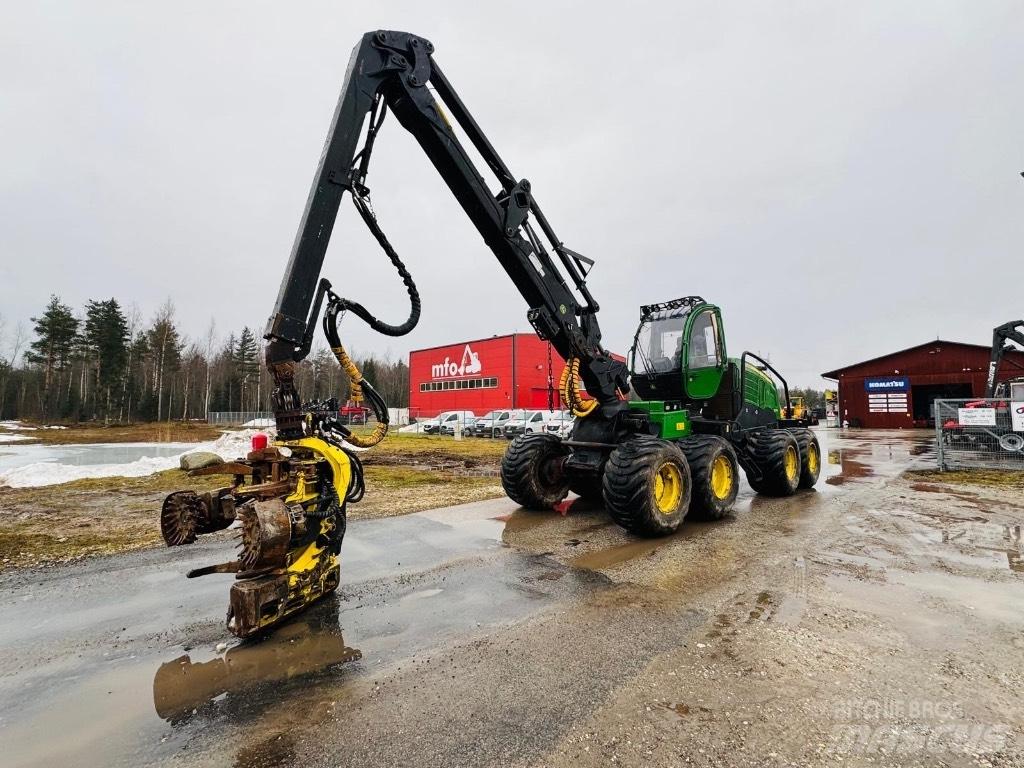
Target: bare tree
(163, 326)
(211, 342)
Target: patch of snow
(259, 423)
(16, 426)
(12, 438)
(48, 473)
(229, 446)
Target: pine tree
(55, 333)
(106, 336)
(246, 365)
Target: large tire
(777, 454)
(810, 457)
(715, 474)
(647, 486)
(531, 473)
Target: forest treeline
(104, 363)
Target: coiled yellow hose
(355, 378)
(569, 389)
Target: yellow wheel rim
(813, 458)
(792, 462)
(668, 488)
(721, 477)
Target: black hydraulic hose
(373, 397)
(414, 296)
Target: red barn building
(899, 389)
(513, 371)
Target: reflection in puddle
(523, 520)
(850, 468)
(1002, 539)
(304, 647)
(632, 550)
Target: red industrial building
(898, 390)
(514, 371)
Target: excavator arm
(396, 71)
(1001, 337)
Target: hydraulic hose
(569, 388)
(359, 387)
(366, 212)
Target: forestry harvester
(678, 450)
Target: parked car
(493, 423)
(561, 425)
(448, 418)
(532, 421)
(448, 427)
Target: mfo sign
(888, 384)
(449, 369)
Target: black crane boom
(392, 70)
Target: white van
(493, 424)
(448, 419)
(531, 422)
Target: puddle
(611, 557)
(850, 468)
(523, 520)
(297, 651)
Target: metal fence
(398, 416)
(980, 432)
(238, 418)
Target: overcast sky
(842, 178)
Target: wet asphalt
(487, 635)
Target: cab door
(704, 360)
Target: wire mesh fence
(240, 418)
(979, 433)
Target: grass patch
(108, 515)
(93, 516)
(989, 478)
(392, 490)
(402, 447)
(159, 432)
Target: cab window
(704, 341)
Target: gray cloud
(841, 178)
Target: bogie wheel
(777, 454)
(810, 457)
(647, 486)
(531, 471)
(715, 473)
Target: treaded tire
(702, 453)
(769, 448)
(630, 485)
(810, 457)
(527, 472)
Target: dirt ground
(874, 621)
(159, 432)
(85, 518)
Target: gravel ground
(875, 621)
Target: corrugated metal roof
(836, 373)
